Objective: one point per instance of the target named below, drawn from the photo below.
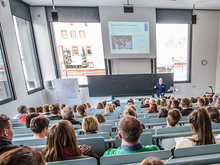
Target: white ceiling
(179, 4)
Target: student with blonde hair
(90, 125)
(153, 108)
(163, 102)
(109, 108)
(88, 105)
(152, 161)
(130, 112)
(81, 110)
(100, 117)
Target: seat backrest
(152, 131)
(53, 122)
(133, 158)
(22, 131)
(97, 144)
(216, 126)
(107, 122)
(111, 114)
(197, 151)
(12, 121)
(105, 135)
(30, 142)
(143, 120)
(18, 125)
(151, 115)
(157, 120)
(145, 139)
(113, 134)
(84, 161)
(140, 115)
(105, 128)
(111, 117)
(172, 130)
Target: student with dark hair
(22, 111)
(163, 102)
(55, 111)
(74, 108)
(200, 103)
(201, 125)
(46, 110)
(158, 102)
(31, 110)
(39, 109)
(23, 155)
(186, 107)
(162, 113)
(104, 103)
(206, 99)
(147, 104)
(67, 114)
(152, 161)
(81, 110)
(169, 104)
(6, 134)
(62, 106)
(214, 114)
(210, 100)
(175, 104)
(217, 104)
(28, 119)
(117, 103)
(173, 117)
(40, 127)
(100, 117)
(153, 108)
(100, 106)
(130, 101)
(129, 130)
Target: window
(173, 50)
(6, 91)
(75, 50)
(84, 57)
(73, 34)
(90, 64)
(88, 50)
(64, 34)
(82, 34)
(60, 50)
(28, 54)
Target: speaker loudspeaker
(54, 15)
(128, 9)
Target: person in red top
(152, 101)
(153, 108)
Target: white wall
(204, 46)
(36, 99)
(217, 79)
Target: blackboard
(126, 85)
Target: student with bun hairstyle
(55, 111)
(202, 130)
(214, 114)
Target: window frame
(72, 35)
(189, 58)
(73, 50)
(87, 50)
(59, 46)
(80, 34)
(62, 34)
(7, 71)
(36, 57)
(90, 63)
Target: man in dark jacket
(6, 134)
(160, 88)
(185, 106)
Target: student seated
(201, 125)
(39, 109)
(152, 161)
(55, 111)
(158, 102)
(206, 99)
(147, 103)
(109, 108)
(173, 117)
(175, 104)
(163, 102)
(153, 108)
(61, 142)
(22, 111)
(81, 110)
(169, 104)
(152, 101)
(88, 105)
(31, 110)
(100, 106)
(67, 114)
(129, 130)
(39, 126)
(210, 100)
(100, 117)
(104, 103)
(162, 113)
(46, 110)
(90, 125)
(133, 113)
(23, 155)
(62, 106)
(200, 103)
(131, 107)
(217, 105)
(214, 114)
(117, 103)
(6, 134)
(186, 110)
(29, 118)
(172, 98)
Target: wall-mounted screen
(129, 37)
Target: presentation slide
(129, 37)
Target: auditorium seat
(84, 161)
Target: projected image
(121, 42)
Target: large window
(82, 56)
(6, 91)
(28, 54)
(173, 50)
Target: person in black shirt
(186, 107)
(6, 134)
(55, 111)
(67, 114)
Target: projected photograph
(121, 42)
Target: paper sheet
(68, 89)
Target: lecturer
(160, 86)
